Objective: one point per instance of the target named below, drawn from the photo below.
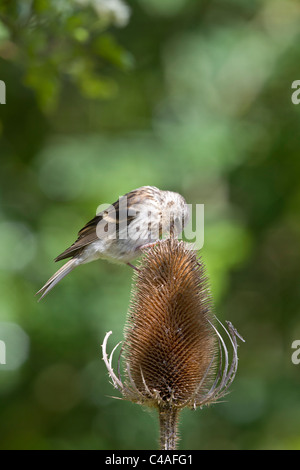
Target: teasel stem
(175, 352)
(168, 425)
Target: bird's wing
(115, 216)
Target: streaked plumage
(119, 233)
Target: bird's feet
(133, 267)
(149, 245)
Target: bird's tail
(58, 276)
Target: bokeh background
(104, 96)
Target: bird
(120, 233)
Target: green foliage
(61, 41)
(189, 96)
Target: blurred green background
(103, 97)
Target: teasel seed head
(173, 354)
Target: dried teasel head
(173, 354)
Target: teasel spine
(174, 356)
(224, 377)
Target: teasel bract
(174, 355)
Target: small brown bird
(120, 233)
